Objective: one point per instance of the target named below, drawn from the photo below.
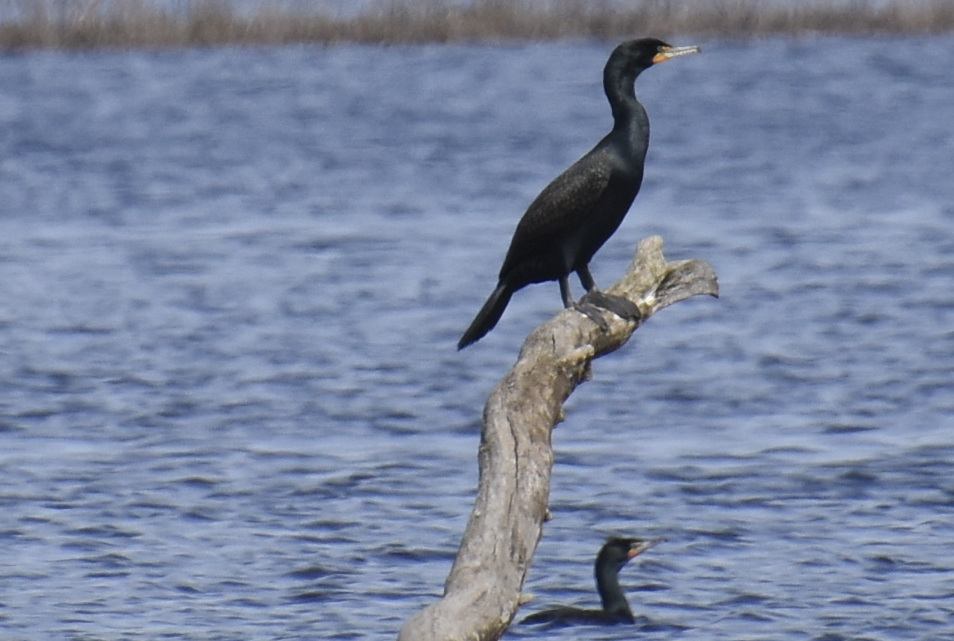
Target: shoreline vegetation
(93, 24)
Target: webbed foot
(622, 307)
(593, 312)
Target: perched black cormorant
(614, 554)
(575, 214)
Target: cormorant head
(634, 56)
(619, 550)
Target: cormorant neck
(620, 88)
(611, 594)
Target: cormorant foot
(622, 307)
(593, 312)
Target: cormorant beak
(641, 546)
(665, 53)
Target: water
(231, 282)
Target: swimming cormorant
(576, 213)
(614, 554)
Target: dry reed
(76, 24)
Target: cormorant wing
(560, 210)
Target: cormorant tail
(487, 317)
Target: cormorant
(614, 554)
(576, 213)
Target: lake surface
(231, 284)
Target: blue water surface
(232, 280)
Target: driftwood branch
(482, 591)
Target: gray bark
(482, 591)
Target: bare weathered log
(482, 591)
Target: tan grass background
(76, 24)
